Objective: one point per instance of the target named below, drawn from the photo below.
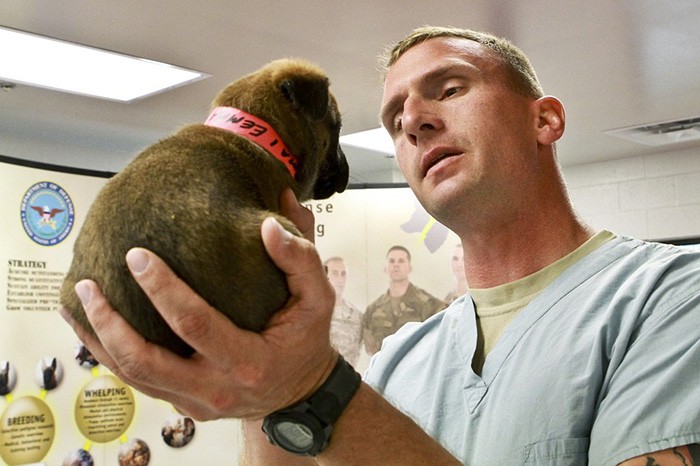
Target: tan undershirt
(497, 306)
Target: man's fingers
(145, 366)
(118, 341)
(290, 253)
(299, 260)
(120, 348)
(88, 339)
(162, 286)
(188, 314)
(233, 371)
(299, 215)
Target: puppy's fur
(198, 198)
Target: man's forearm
(370, 431)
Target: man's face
(463, 138)
(398, 266)
(457, 263)
(337, 275)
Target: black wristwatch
(305, 427)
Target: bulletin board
(58, 406)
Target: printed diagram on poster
(57, 405)
(103, 412)
(28, 430)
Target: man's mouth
(434, 157)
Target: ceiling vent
(661, 134)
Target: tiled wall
(651, 197)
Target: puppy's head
(293, 97)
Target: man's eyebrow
(431, 75)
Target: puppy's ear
(308, 94)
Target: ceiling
(613, 63)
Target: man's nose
(419, 118)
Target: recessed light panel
(661, 134)
(376, 139)
(40, 61)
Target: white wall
(653, 197)
(76, 154)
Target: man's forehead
(336, 264)
(436, 49)
(431, 58)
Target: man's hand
(298, 214)
(234, 372)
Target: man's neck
(509, 254)
(398, 288)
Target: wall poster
(59, 407)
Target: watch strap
(319, 411)
(331, 398)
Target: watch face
(305, 427)
(295, 436)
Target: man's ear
(550, 120)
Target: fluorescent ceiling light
(54, 64)
(373, 139)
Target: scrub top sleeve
(652, 398)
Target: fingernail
(84, 293)
(286, 235)
(137, 260)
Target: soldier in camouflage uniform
(346, 323)
(403, 302)
(457, 267)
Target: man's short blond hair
(521, 72)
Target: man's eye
(450, 91)
(397, 124)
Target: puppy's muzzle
(333, 177)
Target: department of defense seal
(47, 213)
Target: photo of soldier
(403, 302)
(460, 279)
(346, 323)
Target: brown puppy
(198, 198)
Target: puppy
(197, 199)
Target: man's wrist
(305, 427)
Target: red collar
(251, 127)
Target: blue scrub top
(602, 366)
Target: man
(402, 303)
(346, 323)
(457, 268)
(598, 367)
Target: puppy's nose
(343, 171)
